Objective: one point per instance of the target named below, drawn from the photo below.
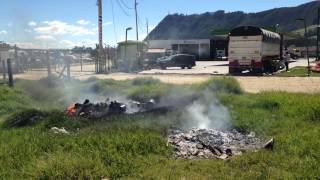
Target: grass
(298, 72)
(134, 147)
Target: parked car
(177, 60)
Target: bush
(223, 85)
(25, 118)
(145, 81)
(147, 92)
(314, 114)
(13, 100)
(33, 117)
(266, 104)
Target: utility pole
(136, 13)
(3, 68)
(48, 63)
(10, 73)
(147, 32)
(16, 58)
(101, 51)
(306, 39)
(138, 49)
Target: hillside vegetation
(179, 26)
(134, 146)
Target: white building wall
(167, 44)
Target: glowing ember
(71, 110)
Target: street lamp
(125, 51)
(306, 41)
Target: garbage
(210, 143)
(56, 130)
(103, 109)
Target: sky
(69, 23)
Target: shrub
(145, 81)
(147, 92)
(266, 104)
(33, 117)
(25, 118)
(223, 85)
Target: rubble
(210, 143)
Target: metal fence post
(10, 73)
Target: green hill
(178, 26)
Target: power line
(122, 8)
(125, 5)
(114, 22)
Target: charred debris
(100, 110)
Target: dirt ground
(248, 83)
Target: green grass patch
(134, 146)
(298, 72)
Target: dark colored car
(177, 60)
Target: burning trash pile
(103, 109)
(210, 143)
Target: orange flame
(71, 110)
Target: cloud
(45, 37)
(54, 28)
(3, 32)
(83, 22)
(32, 23)
(109, 23)
(28, 30)
(70, 44)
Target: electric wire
(122, 8)
(114, 22)
(125, 5)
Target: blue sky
(65, 23)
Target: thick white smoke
(207, 113)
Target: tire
(189, 67)
(182, 67)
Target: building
(203, 49)
(4, 54)
(130, 55)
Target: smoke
(192, 108)
(208, 113)
(201, 109)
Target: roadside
(284, 81)
(297, 72)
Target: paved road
(211, 68)
(201, 74)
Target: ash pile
(210, 143)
